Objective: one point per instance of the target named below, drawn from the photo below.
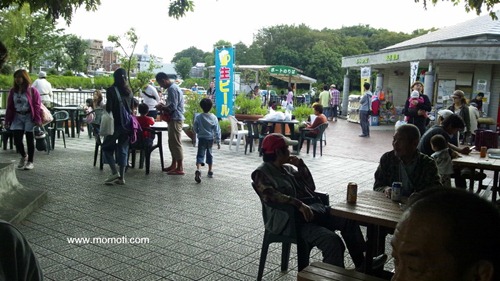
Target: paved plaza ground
(207, 231)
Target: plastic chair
(318, 137)
(98, 143)
(303, 249)
(145, 148)
(60, 118)
(311, 118)
(237, 133)
(253, 134)
(6, 136)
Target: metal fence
(59, 98)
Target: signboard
(284, 70)
(224, 81)
(366, 73)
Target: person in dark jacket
(417, 117)
(406, 164)
(461, 108)
(115, 147)
(17, 259)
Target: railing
(59, 97)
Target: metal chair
(314, 138)
(60, 118)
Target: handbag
(44, 112)
(46, 115)
(107, 127)
(165, 116)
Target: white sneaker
(29, 166)
(110, 180)
(22, 162)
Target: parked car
(201, 90)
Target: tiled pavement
(207, 231)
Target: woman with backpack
(115, 147)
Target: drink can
(352, 192)
(483, 151)
(396, 191)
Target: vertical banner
(366, 73)
(224, 81)
(413, 71)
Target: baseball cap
(333, 86)
(445, 113)
(276, 141)
(42, 74)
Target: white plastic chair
(312, 117)
(237, 131)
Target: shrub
(244, 105)
(302, 112)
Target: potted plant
(191, 107)
(225, 128)
(248, 109)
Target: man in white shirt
(151, 98)
(44, 88)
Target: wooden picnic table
(374, 210)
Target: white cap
(415, 94)
(445, 113)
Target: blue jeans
(116, 144)
(204, 148)
(364, 122)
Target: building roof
(477, 27)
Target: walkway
(207, 231)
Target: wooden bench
(323, 271)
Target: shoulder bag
(107, 127)
(44, 112)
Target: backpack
(136, 132)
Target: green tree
(323, 63)
(470, 5)
(183, 66)
(75, 50)
(129, 62)
(194, 54)
(29, 36)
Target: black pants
(335, 110)
(30, 142)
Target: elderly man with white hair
(44, 88)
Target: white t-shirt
(44, 88)
(151, 102)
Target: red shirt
(145, 122)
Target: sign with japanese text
(224, 81)
(366, 73)
(284, 70)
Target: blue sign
(224, 81)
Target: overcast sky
(240, 20)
